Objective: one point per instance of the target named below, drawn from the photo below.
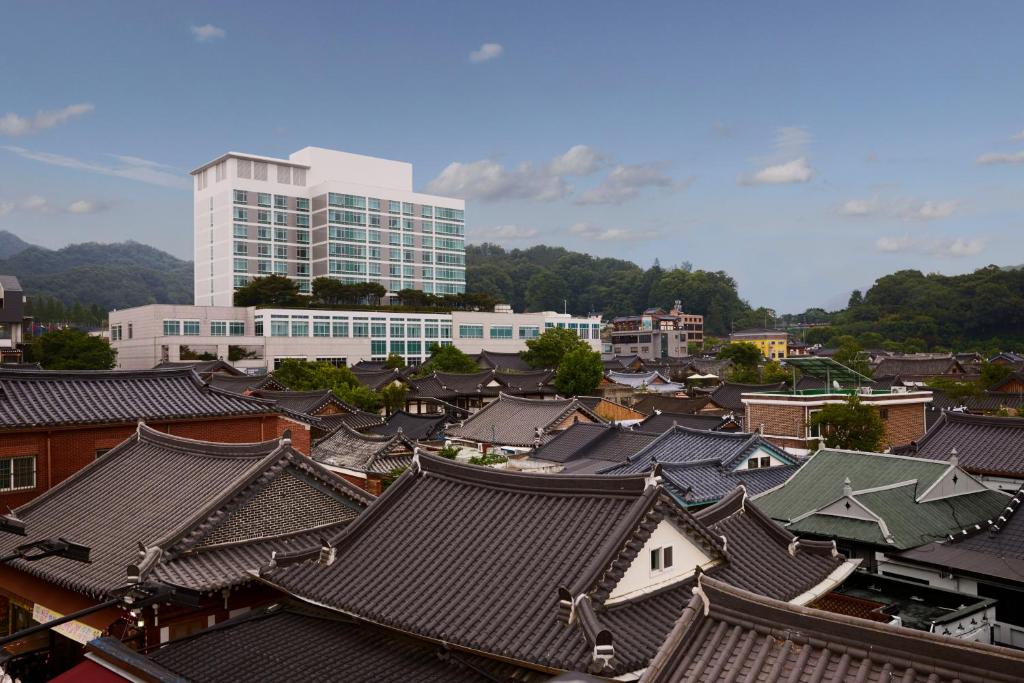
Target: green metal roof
(820, 482)
(827, 369)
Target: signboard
(75, 630)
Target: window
(280, 218)
(448, 214)
(397, 330)
(263, 267)
(241, 249)
(172, 328)
(300, 328)
(346, 200)
(241, 231)
(529, 332)
(302, 221)
(378, 347)
(262, 216)
(281, 251)
(501, 331)
(373, 204)
(412, 330)
(218, 328)
(241, 197)
(236, 328)
(100, 452)
(262, 233)
(280, 202)
(339, 328)
(280, 268)
(427, 211)
(471, 331)
(321, 329)
(263, 199)
(661, 559)
(398, 347)
(759, 462)
(360, 329)
(18, 473)
(883, 413)
(302, 236)
(378, 329)
(241, 281)
(394, 207)
(278, 328)
(241, 214)
(263, 250)
(190, 328)
(280, 234)
(301, 204)
(407, 224)
(407, 208)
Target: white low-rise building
(259, 338)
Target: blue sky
(804, 147)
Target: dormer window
(757, 463)
(661, 559)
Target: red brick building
(53, 424)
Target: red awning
(88, 672)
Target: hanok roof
(726, 633)
(909, 366)
(984, 445)
(243, 383)
(701, 466)
(305, 402)
(297, 642)
(670, 404)
(727, 395)
(494, 360)
(603, 443)
(49, 398)
(531, 383)
(449, 386)
(993, 549)
(515, 421)
(192, 504)
(652, 381)
(204, 368)
(622, 362)
(659, 423)
(500, 541)
(890, 500)
(9, 283)
(378, 379)
(360, 421)
(608, 409)
(413, 426)
(374, 453)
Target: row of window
(264, 217)
(264, 233)
(350, 201)
(359, 329)
(279, 201)
(191, 328)
(117, 332)
(360, 235)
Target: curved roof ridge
(255, 449)
(33, 373)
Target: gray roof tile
(514, 421)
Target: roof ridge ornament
(954, 460)
(286, 438)
(416, 466)
(698, 590)
(847, 487)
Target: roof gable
(515, 421)
(983, 444)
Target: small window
(766, 461)
(883, 413)
(753, 463)
(661, 559)
(18, 473)
(656, 560)
(666, 557)
(100, 452)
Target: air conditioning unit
(864, 391)
(899, 389)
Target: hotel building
(318, 213)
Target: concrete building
(773, 344)
(258, 339)
(12, 316)
(656, 334)
(321, 213)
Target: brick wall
(903, 424)
(370, 485)
(777, 419)
(72, 449)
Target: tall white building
(317, 213)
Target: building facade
(12, 315)
(774, 344)
(257, 339)
(322, 213)
(656, 334)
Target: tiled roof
(203, 367)
(659, 423)
(514, 421)
(908, 366)
(993, 549)
(528, 383)
(700, 466)
(448, 386)
(727, 395)
(604, 442)
(178, 498)
(729, 634)
(359, 421)
(670, 404)
(378, 379)
(653, 381)
(415, 427)
(243, 383)
(885, 497)
(305, 402)
(296, 642)
(500, 541)
(984, 445)
(374, 453)
(47, 398)
(495, 360)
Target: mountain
(110, 276)
(11, 244)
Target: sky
(805, 148)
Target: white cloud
(792, 140)
(993, 158)
(35, 203)
(593, 232)
(6, 208)
(625, 182)
(38, 204)
(504, 233)
(795, 171)
(928, 211)
(83, 206)
(131, 168)
(486, 52)
(1019, 137)
(14, 125)
(950, 247)
(579, 160)
(860, 207)
(489, 180)
(207, 32)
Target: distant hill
(11, 244)
(110, 276)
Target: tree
(393, 397)
(580, 372)
(447, 359)
(773, 373)
(327, 290)
(394, 362)
(272, 290)
(851, 355)
(71, 349)
(954, 390)
(548, 350)
(992, 374)
(302, 375)
(851, 425)
(742, 354)
(449, 450)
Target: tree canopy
(851, 425)
(272, 290)
(71, 349)
(579, 373)
(302, 375)
(448, 359)
(548, 350)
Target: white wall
(639, 578)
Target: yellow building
(772, 343)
